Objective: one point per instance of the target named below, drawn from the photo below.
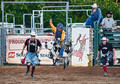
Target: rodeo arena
(78, 53)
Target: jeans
(61, 52)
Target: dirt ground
(71, 75)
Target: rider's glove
(59, 42)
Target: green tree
(59, 17)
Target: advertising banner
(14, 46)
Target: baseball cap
(109, 12)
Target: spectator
(95, 16)
(108, 22)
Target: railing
(113, 36)
(27, 31)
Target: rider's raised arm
(53, 27)
(63, 35)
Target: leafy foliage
(59, 17)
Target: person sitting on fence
(95, 16)
(59, 33)
(106, 54)
(108, 22)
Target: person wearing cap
(95, 16)
(108, 22)
(33, 48)
(59, 33)
(107, 54)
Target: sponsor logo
(11, 54)
(20, 55)
(44, 55)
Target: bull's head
(49, 45)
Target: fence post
(0, 46)
(95, 43)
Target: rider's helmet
(60, 26)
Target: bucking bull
(54, 48)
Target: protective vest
(35, 45)
(58, 34)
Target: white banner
(14, 45)
(80, 38)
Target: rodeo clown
(107, 54)
(59, 35)
(32, 51)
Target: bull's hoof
(53, 67)
(50, 57)
(68, 63)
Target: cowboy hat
(104, 39)
(33, 33)
(94, 5)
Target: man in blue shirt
(95, 16)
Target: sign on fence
(80, 38)
(14, 45)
